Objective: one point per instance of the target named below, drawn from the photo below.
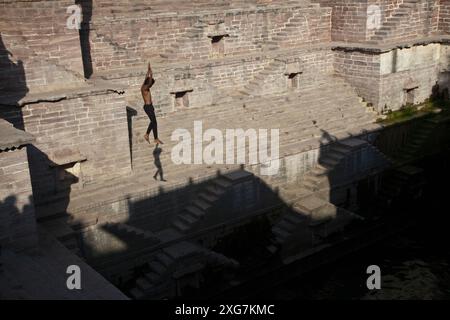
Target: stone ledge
(96, 87)
(42, 275)
(386, 47)
(12, 138)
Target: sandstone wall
(362, 70)
(444, 77)
(400, 20)
(348, 19)
(444, 16)
(38, 52)
(402, 70)
(387, 9)
(78, 141)
(209, 84)
(421, 20)
(17, 217)
(129, 41)
(385, 79)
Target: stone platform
(42, 275)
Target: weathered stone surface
(17, 214)
(11, 138)
(307, 68)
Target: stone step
(280, 233)
(194, 211)
(294, 218)
(223, 183)
(335, 156)
(341, 149)
(309, 185)
(164, 259)
(286, 225)
(208, 197)
(216, 190)
(157, 267)
(313, 95)
(153, 277)
(320, 171)
(310, 205)
(180, 226)
(203, 205)
(284, 142)
(187, 219)
(362, 116)
(328, 163)
(313, 179)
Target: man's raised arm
(148, 78)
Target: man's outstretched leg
(153, 125)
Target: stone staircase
(203, 204)
(193, 213)
(254, 87)
(388, 28)
(132, 235)
(310, 197)
(302, 195)
(194, 35)
(135, 240)
(106, 45)
(311, 220)
(328, 104)
(331, 105)
(296, 23)
(402, 181)
(173, 262)
(112, 21)
(415, 142)
(36, 62)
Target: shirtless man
(148, 106)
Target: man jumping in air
(148, 106)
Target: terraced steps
(158, 282)
(415, 142)
(329, 104)
(294, 27)
(310, 213)
(254, 86)
(403, 181)
(388, 29)
(200, 206)
(311, 208)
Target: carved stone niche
(410, 89)
(217, 34)
(67, 166)
(181, 92)
(293, 71)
